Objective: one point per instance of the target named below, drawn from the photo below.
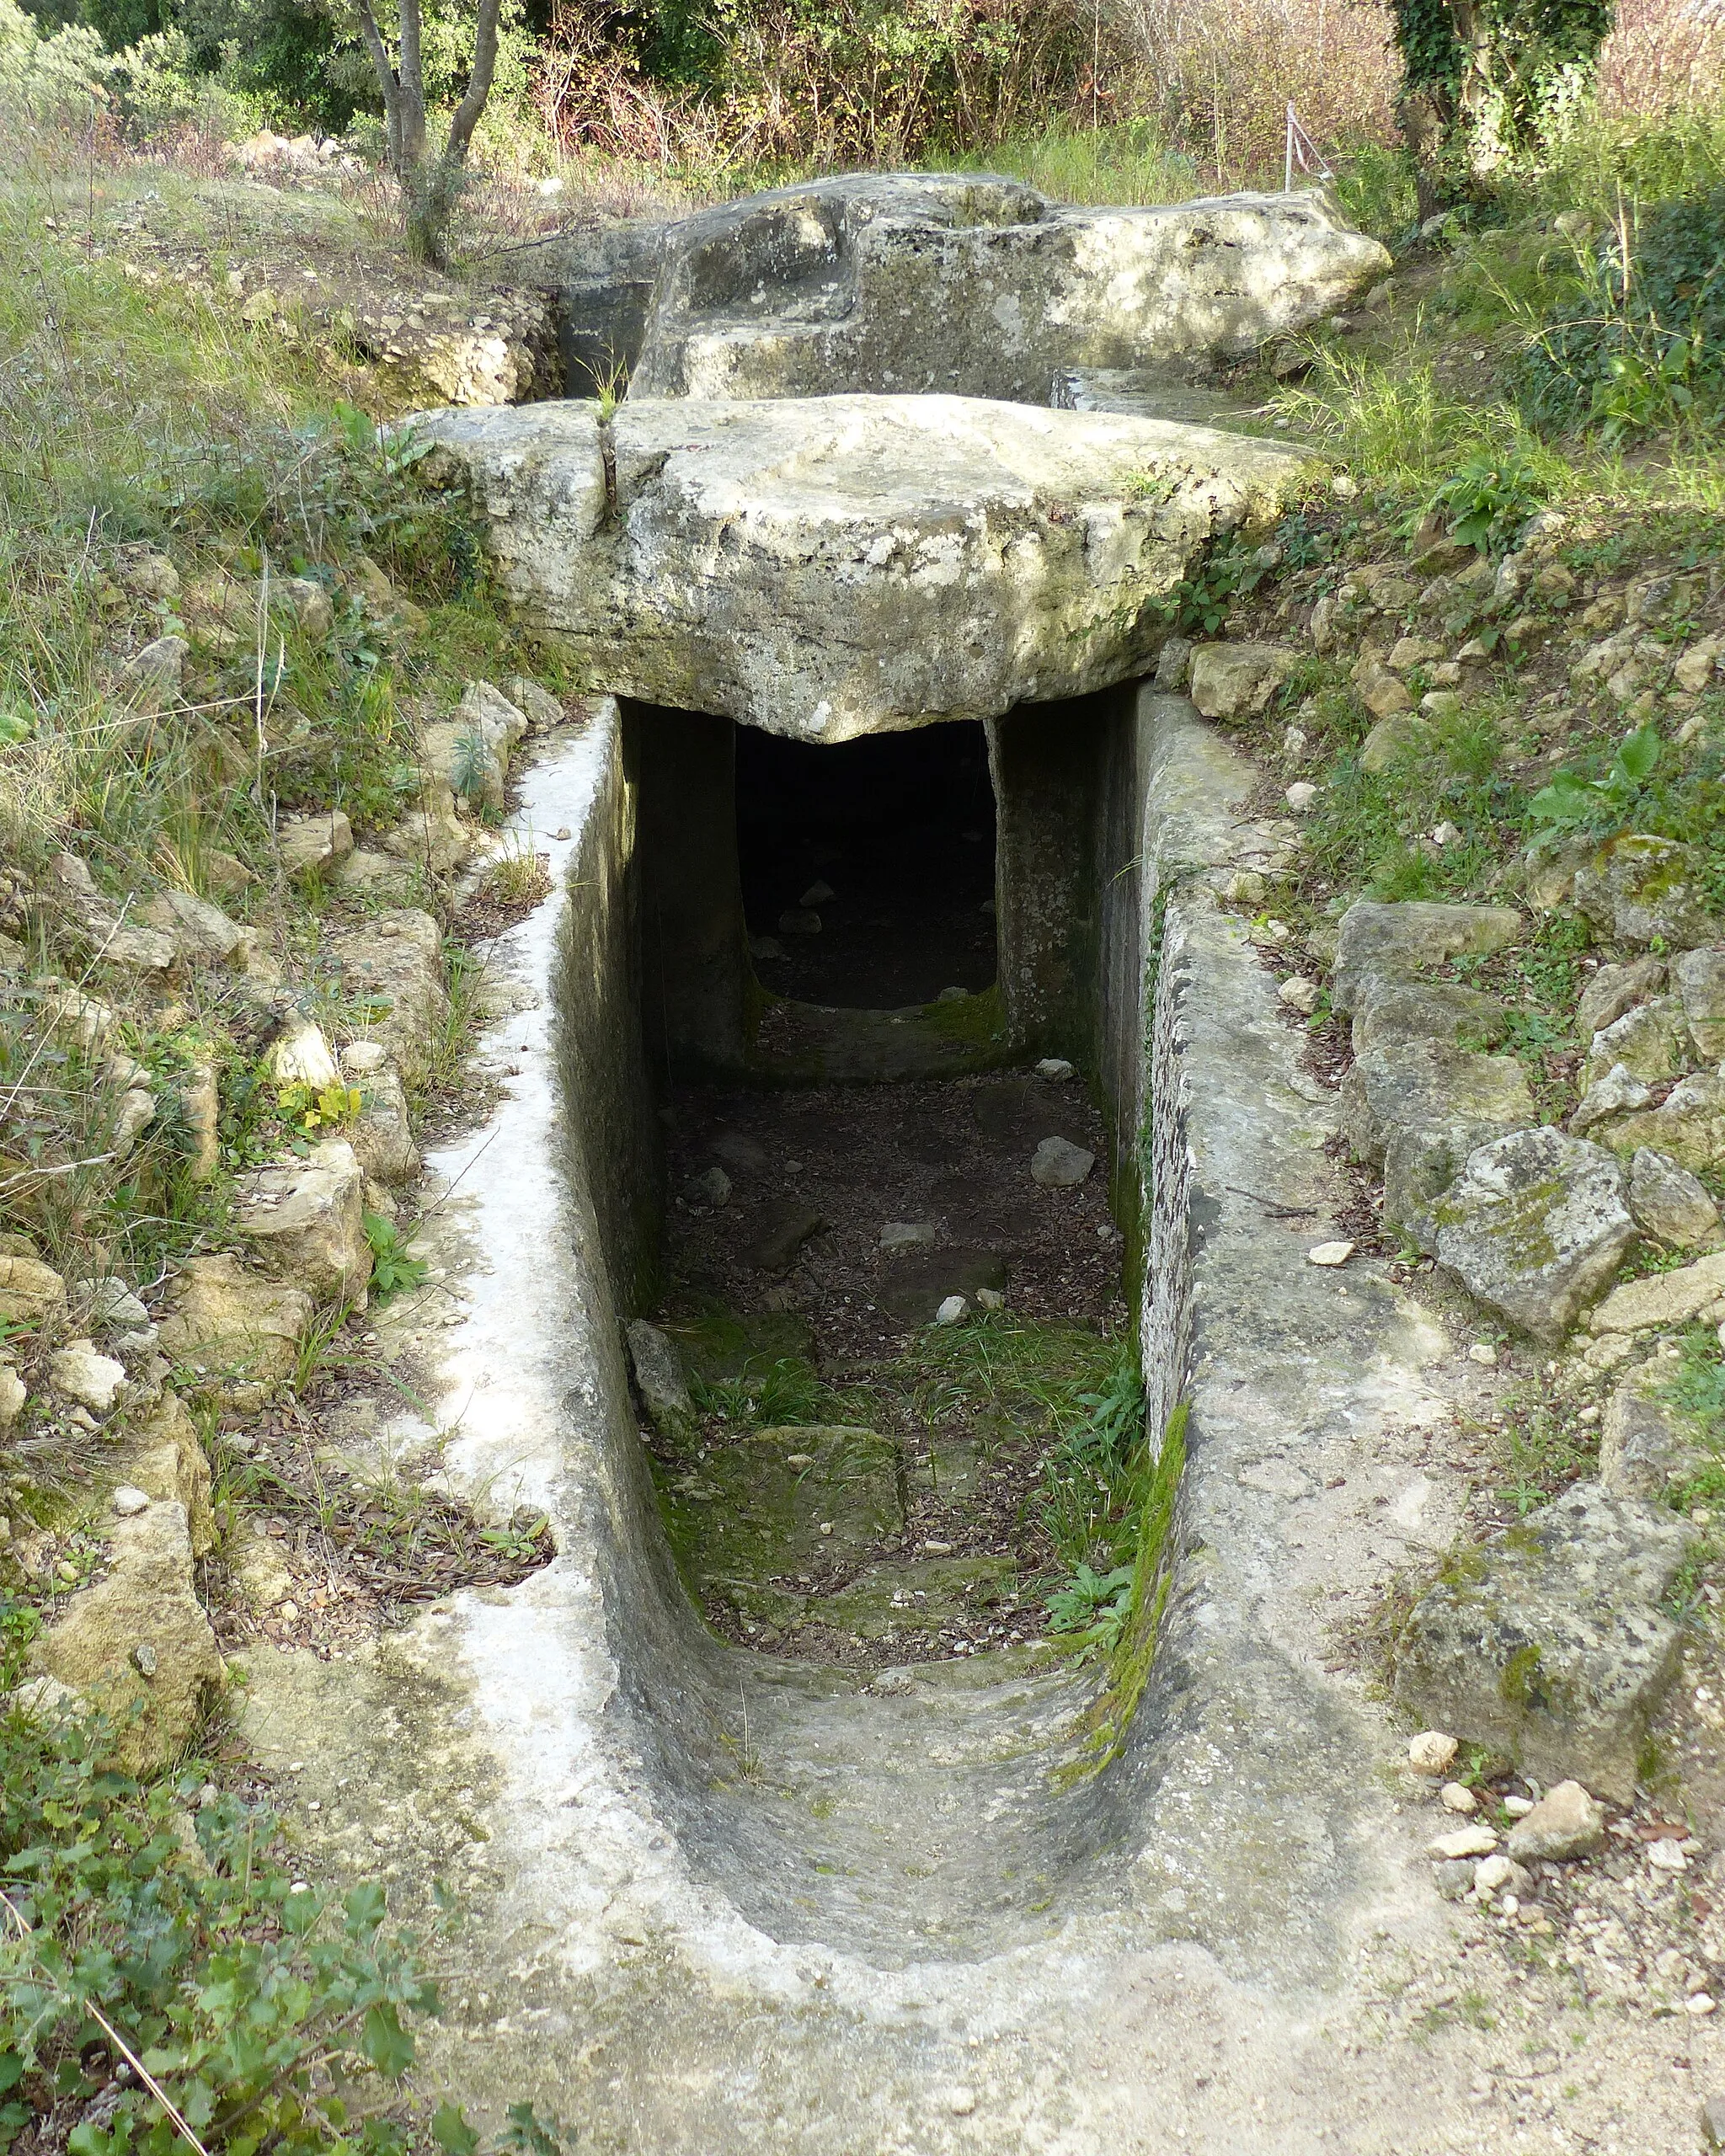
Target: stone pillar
(696, 979)
(1047, 764)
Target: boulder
(659, 1380)
(1642, 1444)
(203, 933)
(1615, 989)
(391, 968)
(1403, 939)
(383, 1135)
(200, 1099)
(956, 282)
(151, 679)
(301, 1055)
(1057, 1164)
(1392, 740)
(306, 601)
(1382, 692)
(167, 1461)
(137, 1644)
(469, 752)
(1566, 1823)
(1236, 680)
(431, 833)
(1548, 1645)
(1699, 978)
(1650, 1041)
(1615, 1094)
(979, 555)
(31, 1294)
(111, 1306)
(93, 1379)
(1688, 1125)
(306, 1217)
(1534, 1227)
(1669, 1204)
(305, 843)
(225, 1316)
(1637, 888)
(1390, 1012)
(1417, 1109)
(1662, 1300)
(534, 702)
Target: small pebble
(962, 2102)
(1300, 993)
(1301, 796)
(1431, 1753)
(1698, 2003)
(952, 1311)
(1666, 1856)
(128, 1502)
(1055, 1068)
(1517, 1808)
(1457, 1796)
(826, 1527)
(561, 832)
(1483, 1352)
(990, 1299)
(1329, 1253)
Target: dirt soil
(824, 1171)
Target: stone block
(979, 555)
(1406, 938)
(1548, 1644)
(1638, 889)
(227, 1317)
(305, 1216)
(1534, 1227)
(1643, 1446)
(1236, 680)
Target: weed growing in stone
(393, 1270)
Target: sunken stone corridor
(975, 1339)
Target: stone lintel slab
(829, 567)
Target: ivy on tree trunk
(1481, 79)
(430, 179)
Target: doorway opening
(867, 868)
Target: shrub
(145, 1924)
(1646, 339)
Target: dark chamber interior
(899, 828)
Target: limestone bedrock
(958, 282)
(834, 566)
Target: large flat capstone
(846, 565)
(957, 282)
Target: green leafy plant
(392, 1269)
(1571, 801)
(144, 1928)
(325, 1108)
(1201, 599)
(1092, 1609)
(1487, 500)
(473, 766)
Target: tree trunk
(430, 183)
